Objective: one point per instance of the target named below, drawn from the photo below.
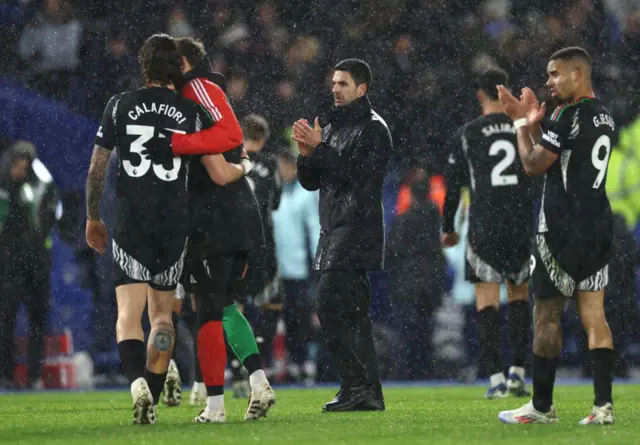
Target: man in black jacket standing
(347, 161)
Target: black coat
(348, 168)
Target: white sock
(257, 380)
(214, 403)
(497, 379)
(517, 371)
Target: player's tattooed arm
(95, 181)
(535, 158)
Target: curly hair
(160, 61)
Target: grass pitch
(433, 415)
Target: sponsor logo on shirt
(552, 138)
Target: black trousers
(415, 321)
(343, 310)
(297, 318)
(24, 278)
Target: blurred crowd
(277, 54)
(277, 57)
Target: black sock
(489, 339)
(133, 357)
(519, 331)
(544, 377)
(236, 370)
(234, 364)
(215, 391)
(602, 370)
(175, 317)
(253, 363)
(156, 384)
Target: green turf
(441, 416)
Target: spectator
(177, 23)
(28, 203)
(50, 44)
(111, 72)
(296, 227)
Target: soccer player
(151, 228)
(574, 235)
(261, 280)
(225, 226)
(484, 156)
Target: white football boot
(600, 415)
(260, 402)
(172, 394)
(144, 411)
(516, 384)
(528, 414)
(217, 416)
(198, 396)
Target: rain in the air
(356, 221)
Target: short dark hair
(572, 53)
(159, 60)
(359, 70)
(193, 50)
(489, 80)
(255, 128)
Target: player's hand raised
(450, 239)
(308, 138)
(535, 112)
(513, 107)
(161, 150)
(97, 235)
(297, 136)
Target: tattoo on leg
(160, 347)
(547, 339)
(162, 339)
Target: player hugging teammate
(150, 128)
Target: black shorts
(569, 270)
(145, 258)
(215, 279)
(499, 262)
